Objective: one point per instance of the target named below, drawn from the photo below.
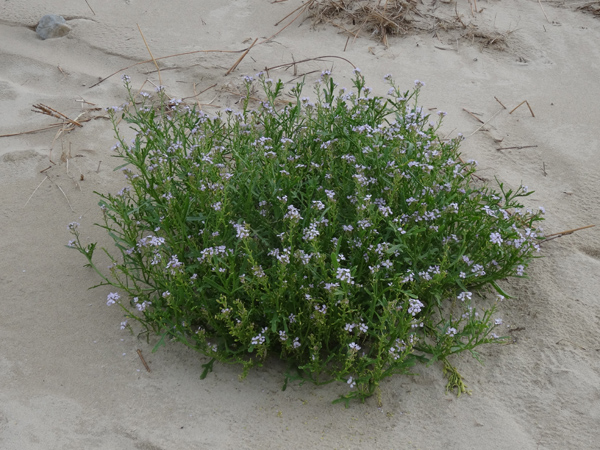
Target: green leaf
(160, 343)
(499, 290)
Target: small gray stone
(52, 26)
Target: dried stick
(139, 352)
(530, 110)
(318, 58)
(564, 233)
(473, 115)
(516, 148)
(524, 101)
(299, 7)
(151, 55)
(303, 9)
(63, 193)
(35, 190)
(54, 125)
(499, 102)
(90, 7)
(164, 57)
(544, 11)
(44, 109)
(484, 124)
(240, 58)
(196, 95)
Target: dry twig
(517, 147)
(151, 55)
(549, 237)
(139, 352)
(44, 109)
(90, 7)
(35, 190)
(526, 102)
(472, 115)
(240, 58)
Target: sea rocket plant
(337, 234)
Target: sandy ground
(70, 379)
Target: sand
(70, 379)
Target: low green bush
(342, 235)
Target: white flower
(464, 296)
(257, 340)
(451, 331)
(498, 322)
(351, 382)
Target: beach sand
(70, 379)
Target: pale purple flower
(292, 214)
(257, 340)
(496, 238)
(241, 230)
(344, 275)
(112, 298)
(354, 346)
(415, 306)
(318, 204)
(311, 232)
(142, 306)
